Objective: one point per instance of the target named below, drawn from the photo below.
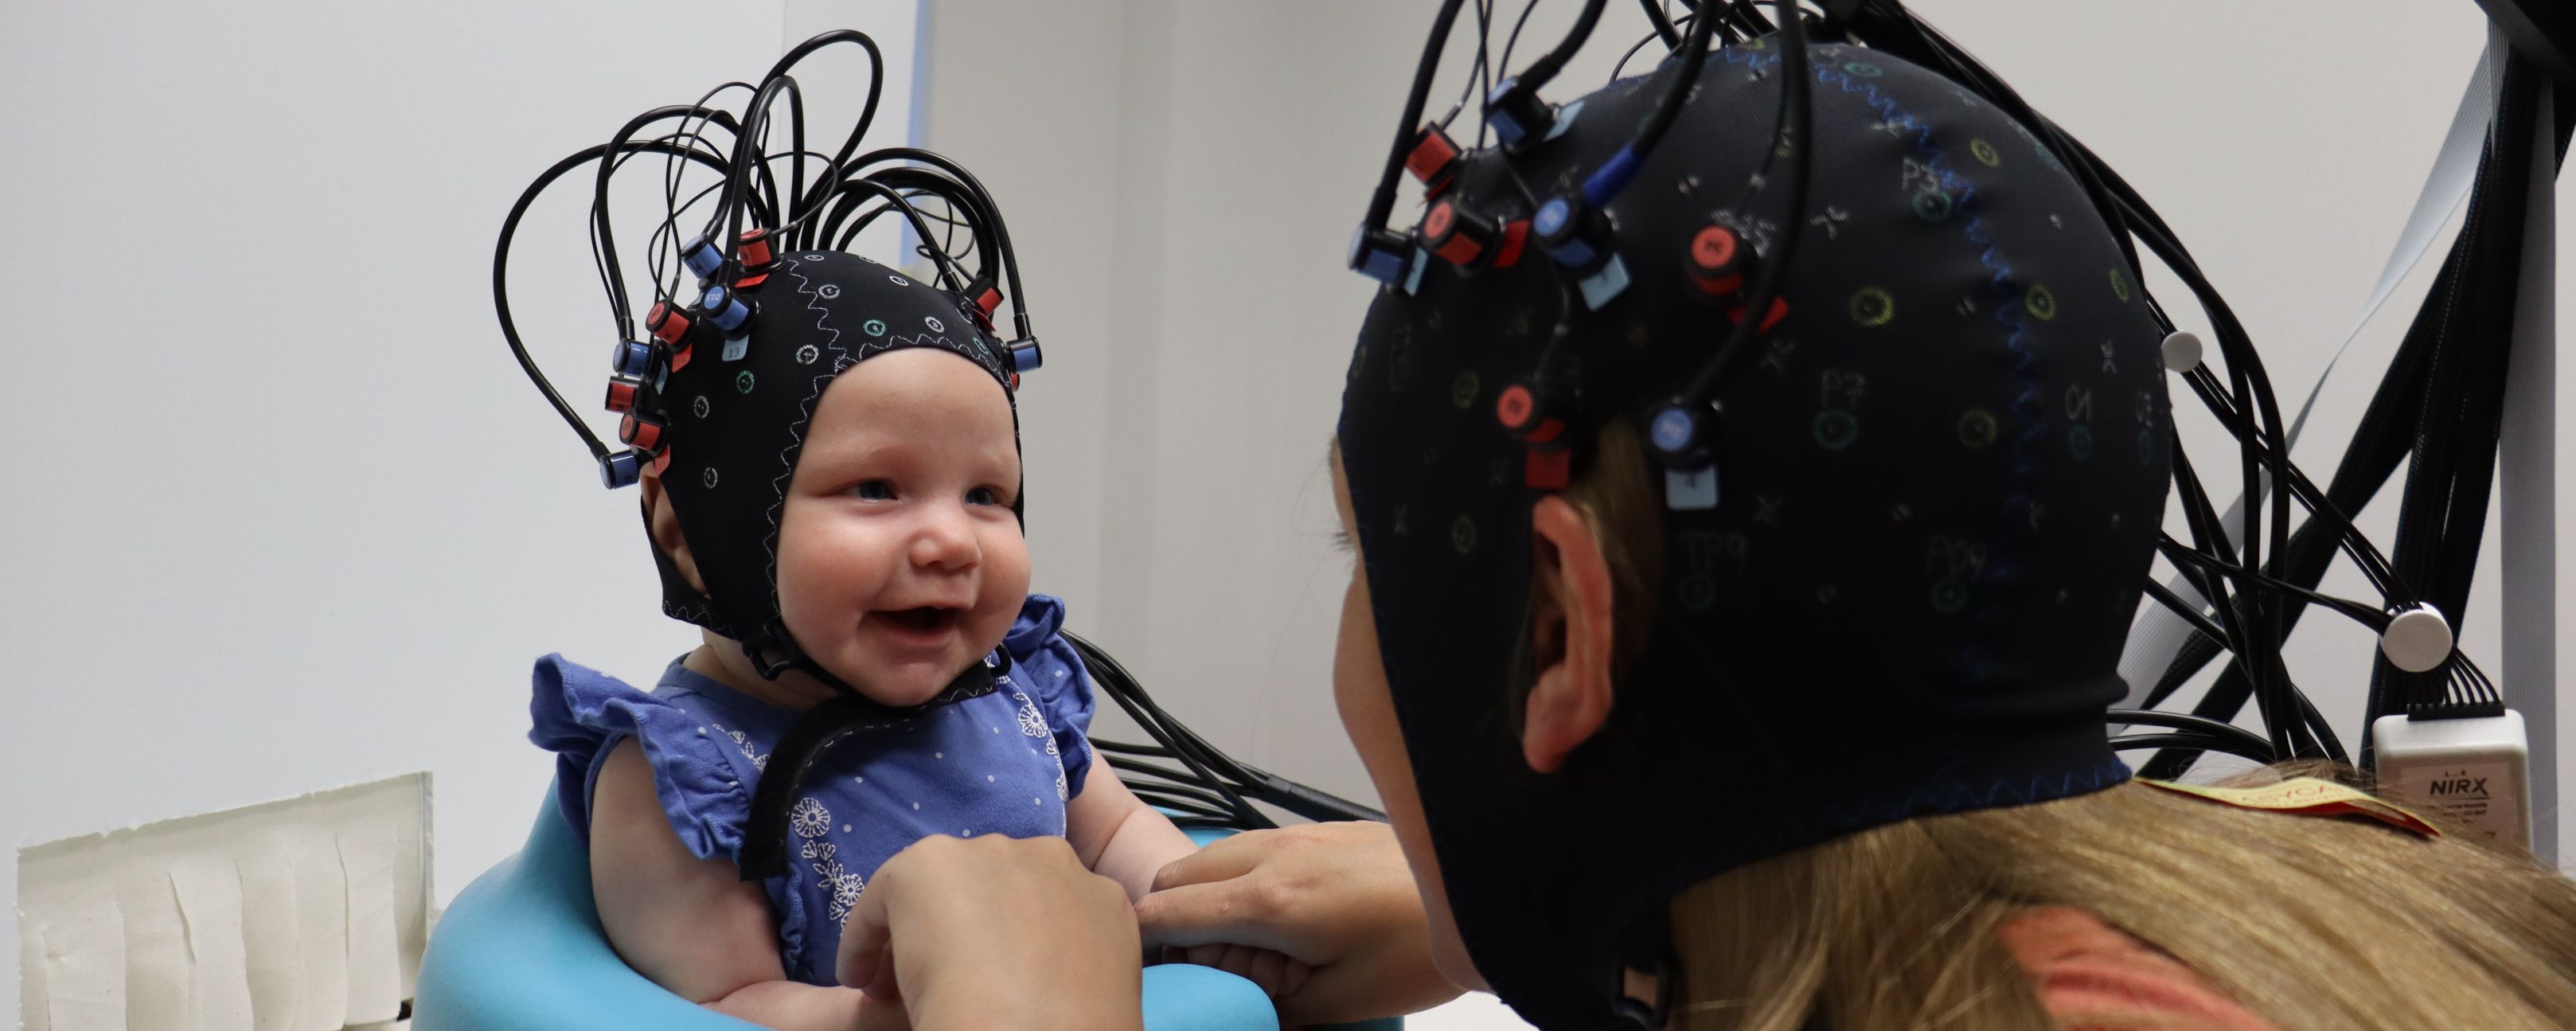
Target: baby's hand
(1277, 974)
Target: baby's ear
(664, 524)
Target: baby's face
(899, 561)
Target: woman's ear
(1570, 635)
(664, 524)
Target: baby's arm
(1120, 837)
(693, 925)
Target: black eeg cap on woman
(1903, 539)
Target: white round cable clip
(2182, 350)
(2418, 640)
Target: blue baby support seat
(522, 950)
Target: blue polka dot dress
(1005, 763)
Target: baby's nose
(945, 542)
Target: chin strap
(1650, 952)
(764, 837)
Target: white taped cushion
(160, 975)
(412, 860)
(321, 928)
(84, 959)
(210, 906)
(375, 974)
(270, 946)
(33, 1008)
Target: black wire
(1793, 127)
(603, 238)
(1685, 78)
(980, 207)
(501, 273)
(1664, 28)
(1622, 66)
(1479, 78)
(1382, 202)
(1124, 748)
(947, 270)
(2200, 621)
(2195, 744)
(2247, 742)
(2364, 554)
(876, 82)
(1513, 41)
(1210, 769)
(2365, 615)
(1544, 70)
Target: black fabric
(1940, 482)
(736, 427)
(765, 837)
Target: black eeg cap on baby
(735, 413)
(1937, 483)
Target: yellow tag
(2306, 796)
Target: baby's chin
(907, 682)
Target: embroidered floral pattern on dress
(809, 819)
(1033, 724)
(758, 761)
(845, 885)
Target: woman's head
(1938, 482)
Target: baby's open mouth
(927, 619)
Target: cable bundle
(1212, 790)
(755, 209)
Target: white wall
(279, 513)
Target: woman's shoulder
(2091, 975)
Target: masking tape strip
(34, 1009)
(412, 896)
(83, 963)
(271, 949)
(2306, 796)
(321, 928)
(374, 971)
(208, 888)
(160, 971)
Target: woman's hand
(941, 917)
(1333, 896)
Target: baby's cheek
(1006, 569)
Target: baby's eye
(874, 490)
(983, 496)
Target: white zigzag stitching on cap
(805, 414)
(841, 361)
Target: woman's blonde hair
(2310, 923)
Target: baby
(835, 502)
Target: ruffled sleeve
(580, 714)
(1046, 665)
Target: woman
(1720, 678)
(1830, 753)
